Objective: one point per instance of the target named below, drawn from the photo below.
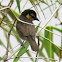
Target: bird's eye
(32, 15)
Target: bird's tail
(33, 45)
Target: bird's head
(30, 14)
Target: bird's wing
(26, 29)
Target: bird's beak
(36, 19)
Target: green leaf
(37, 26)
(41, 53)
(56, 15)
(60, 30)
(1, 43)
(43, 2)
(0, 58)
(13, 13)
(56, 50)
(47, 44)
(57, 0)
(18, 4)
(41, 48)
(32, 2)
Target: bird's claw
(22, 44)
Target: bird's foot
(22, 44)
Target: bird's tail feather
(33, 44)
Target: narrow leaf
(18, 4)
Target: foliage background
(50, 34)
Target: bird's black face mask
(31, 13)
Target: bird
(27, 31)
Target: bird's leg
(22, 44)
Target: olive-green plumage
(27, 31)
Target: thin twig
(37, 51)
(24, 5)
(10, 3)
(35, 5)
(7, 10)
(3, 8)
(9, 37)
(4, 15)
(44, 58)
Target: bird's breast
(26, 29)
